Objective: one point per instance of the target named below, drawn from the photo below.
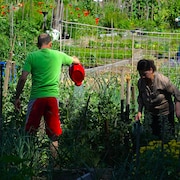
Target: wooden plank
(128, 90)
(122, 84)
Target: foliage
(90, 128)
(97, 133)
(113, 18)
(158, 162)
(4, 39)
(91, 125)
(5, 48)
(83, 12)
(22, 157)
(173, 12)
(95, 130)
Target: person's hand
(76, 60)
(177, 109)
(138, 116)
(17, 104)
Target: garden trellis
(107, 52)
(107, 49)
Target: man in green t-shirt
(45, 67)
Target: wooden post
(52, 16)
(112, 36)
(6, 79)
(122, 94)
(44, 26)
(10, 69)
(128, 95)
(128, 78)
(58, 14)
(133, 98)
(60, 24)
(122, 84)
(132, 60)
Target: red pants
(49, 108)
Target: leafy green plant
(93, 125)
(155, 162)
(22, 156)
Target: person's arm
(177, 109)
(19, 88)
(171, 88)
(177, 102)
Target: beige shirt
(157, 98)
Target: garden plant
(99, 134)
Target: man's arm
(19, 88)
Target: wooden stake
(122, 84)
(122, 94)
(8, 69)
(6, 80)
(128, 90)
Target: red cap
(77, 73)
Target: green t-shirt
(45, 67)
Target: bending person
(155, 97)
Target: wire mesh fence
(112, 51)
(98, 46)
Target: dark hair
(43, 39)
(145, 65)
